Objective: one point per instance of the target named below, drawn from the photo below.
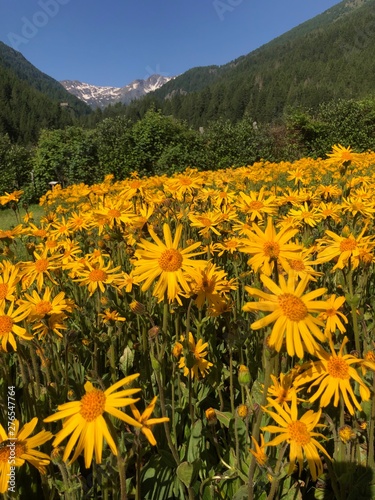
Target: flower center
(41, 265)
(42, 233)
(205, 221)
(51, 244)
(98, 275)
(92, 405)
(271, 249)
(293, 307)
(208, 286)
(6, 325)
(282, 395)
(43, 308)
(346, 155)
(338, 368)
(330, 312)
(18, 448)
(256, 205)
(297, 265)
(185, 181)
(114, 213)
(3, 291)
(348, 244)
(170, 260)
(298, 433)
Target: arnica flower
(7, 197)
(255, 205)
(98, 275)
(167, 262)
(333, 376)
(299, 434)
(197, 353)
(8, 325)
(209, 284)
(342, 156)
(85, 422)
(22, 447)
(291, 311)
(38, 270)
(270, 248)
(282, 390)
(259, 452)
(9, 277)
(343, 248)
(333, 318)
(38, 307)
(147, 422)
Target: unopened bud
(244, 376)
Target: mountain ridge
(101, 96)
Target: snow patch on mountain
(100, 97)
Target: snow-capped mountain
(100, 97)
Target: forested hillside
(31, 101)
(325, 58)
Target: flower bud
(211, 416)
(244, 376)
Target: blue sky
(114, 42)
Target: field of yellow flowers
(208, 335)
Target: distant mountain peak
(101, 96)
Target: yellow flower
(291, 312)
(346, 248)
(255, 205)
(147, 422)
(97, 275)
(196, 354)
(38, 270)
(333, 375)
(270, 248)
(167, 262)
(85, 422)
(342, 156)
(38, 307)
(16, 447)
(299, 434)
(9, 277)
(259, 452)
(7, 197)
(109, 316)
(282, 390)
(207, 221)
(333, 317)
(8, 326)
(209, 284)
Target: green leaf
(186, 473)
(242, 493)
(196, 442)
(224, 417)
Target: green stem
(269, 362)
(370, 458)
(275, 482)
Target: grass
(9, 218)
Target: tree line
(159, 144)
